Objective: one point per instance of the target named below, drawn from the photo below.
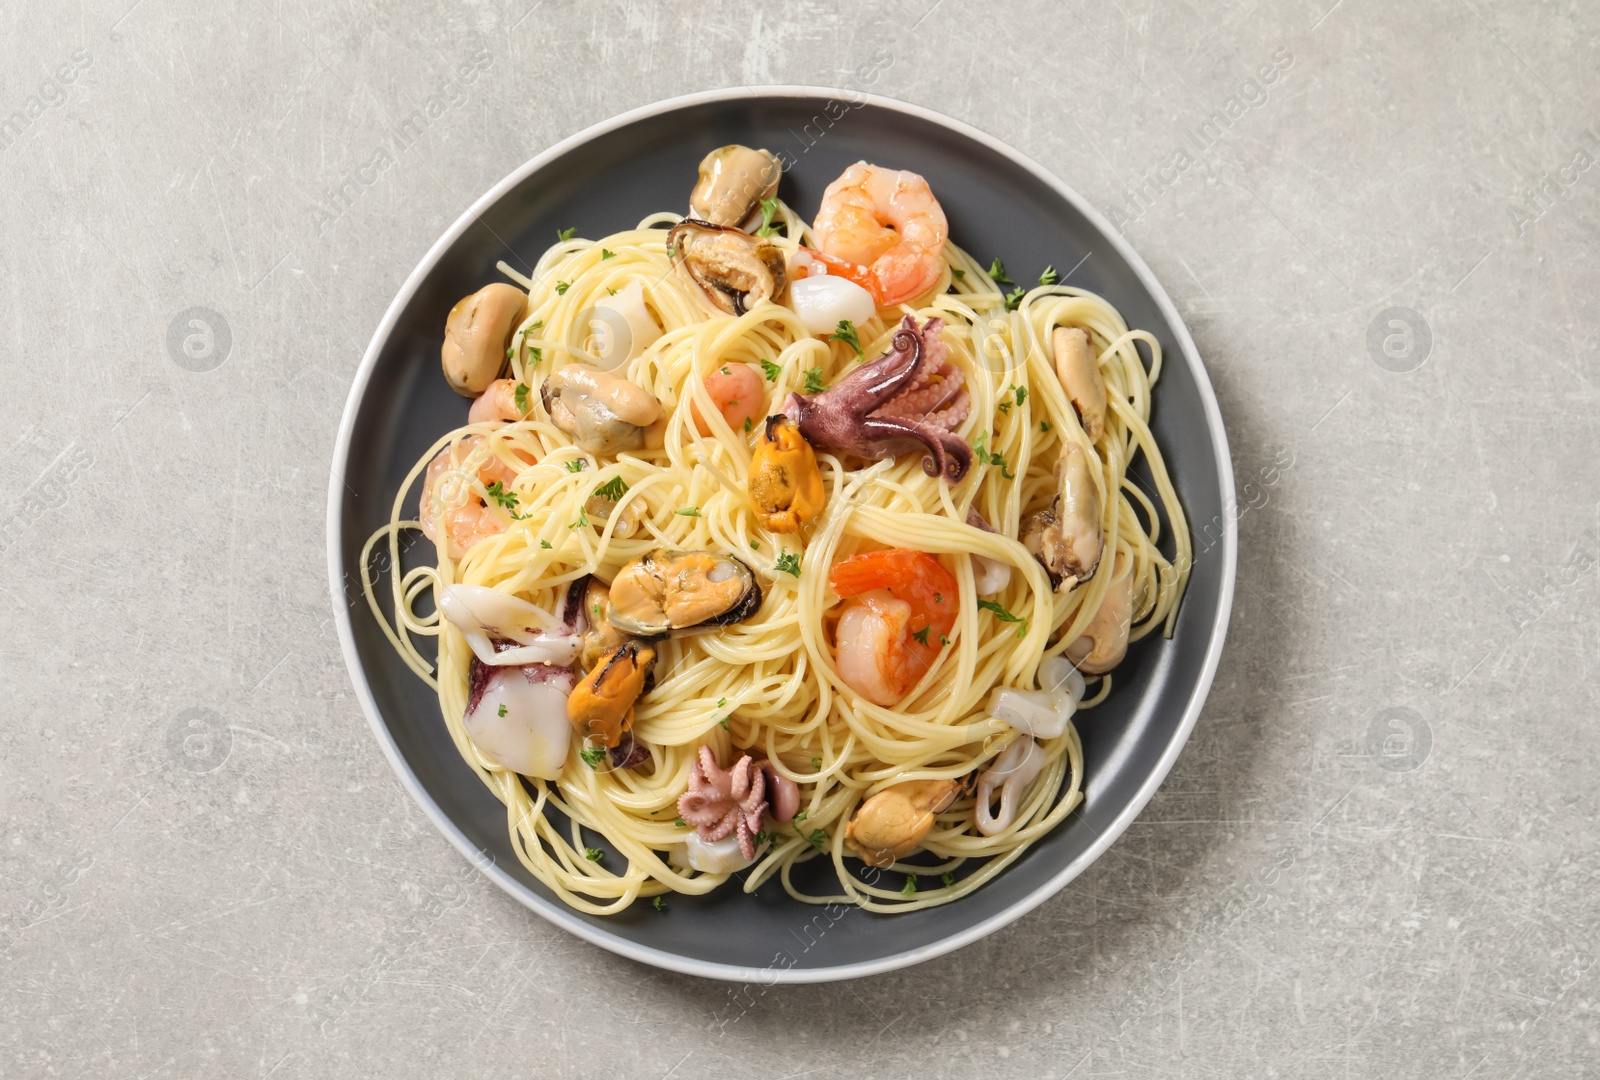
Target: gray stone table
(1377, 856)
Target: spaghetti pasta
(771, 685)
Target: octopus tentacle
(910, 394)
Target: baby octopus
(909, 396)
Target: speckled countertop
(1377, 856)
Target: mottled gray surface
(1377, 856)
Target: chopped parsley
(724, 370)
(501, 711)
(592, 756)
(910, 887)
(959, 275)
(749, 422)
(1005, 616)
(817, 838)
(922, 635)
(846, 332)
(595, 610)
(611, 490)
(562, 287)
(576, 465)
(762, 838)
(680, 822)
(564, 235)
(535, 354)
(506, 499)
(788, 563)
(604, 254)
(943, 640)
(659, 904)
(769, 210)
(1049, 277)
(688, 511)
(1021, 393)
(724, 723)
(947, 878)
(1014, 298)
(814, 383)
(997, 273)
(985, 457)
(1045, 426)
(593, 854)
(582, 522)
(520, 396)
(771, 370)
(801, 816)
(816, 763)
(755, 545)
(545, 544)
(722, 702)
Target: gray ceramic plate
(606, 178)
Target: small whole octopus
(734, 801)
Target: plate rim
(558, 914)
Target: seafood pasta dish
(766, 541)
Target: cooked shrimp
(737, 392)
(887, 229)
(900, 607)
(498, 402)
(459, 497)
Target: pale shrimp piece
(739, 395)
(886, 228)
(900, 608)
(498, 402)
(449, 492)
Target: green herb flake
(582, 522)
(594, 609)
(592, 756)
(611, 490)
(1021, 393)
(562, 287)
(536, 355)
(943, 640)
(749, 422)
(771, 370)
(922, 635)
(846, 332)
(604, 254)
(816, 763)
(817, 838)
(769, 210)
(688, 511)
(593, 854)
(997, 273)
(563, 235)
(680, 822)
(545, 544)
(788, 563)
(959, 275)
(724, 723)
(497, 492)
(576, 465)
(1005, 616)
(947, 878)
(501, 711)
(722, 702)
(659, 904)
(910, 887)
(1049, 277)
(801, 816)
(1014, 298)
(814, 383)
(762, 838)
(520, 395)
(755, 545)
(1045, 427)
